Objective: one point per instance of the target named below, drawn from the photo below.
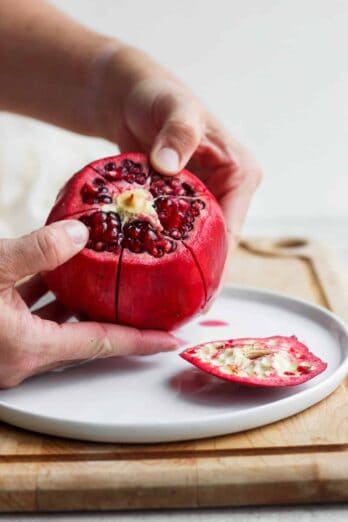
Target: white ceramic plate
(163, 398)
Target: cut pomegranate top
(156, 248)
(270, 361)
(127, 205)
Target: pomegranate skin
(150, 278)
(86, 286)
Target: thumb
(44, 249)
(178, 138)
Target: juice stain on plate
(213, 322)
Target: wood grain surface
(300, 459)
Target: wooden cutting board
(298, 460)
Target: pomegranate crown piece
(156, 248)
(270, 361)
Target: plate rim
(323, 389)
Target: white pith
(251, 359)
(134, 203)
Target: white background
(275, 72)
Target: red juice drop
(213, 322)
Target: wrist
(95, 96)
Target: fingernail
(167, 160)
(77, 232)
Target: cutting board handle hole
(291, 243)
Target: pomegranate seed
(132, 231)
(110, 166)
(169, 246)
(114, 175)
(98, 217)
(128, 164)
(95, 193)
(99, 229)
(135, 245)
(99, 182)
(106, 199)
(184, 205)
(189, 190)
(99, 246)
(113, 247)
(140, 179)
(89, 189)
(156, 251)
(150, 236)
(175, 233)
(198, 204)
(110, 234)
(130, 177)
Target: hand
(119, 93)
(35, 342)
(155, 113)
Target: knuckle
(6, 261)
(47, 248)
(19, 354)
(132, 343)
(103, 347)
(22, 347)
(139, 344)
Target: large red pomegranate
(156, 248)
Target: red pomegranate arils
(167, 232)
(104, 230)
(95, 192)
(269, 361)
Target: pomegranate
(271, 361)
(156, 249)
